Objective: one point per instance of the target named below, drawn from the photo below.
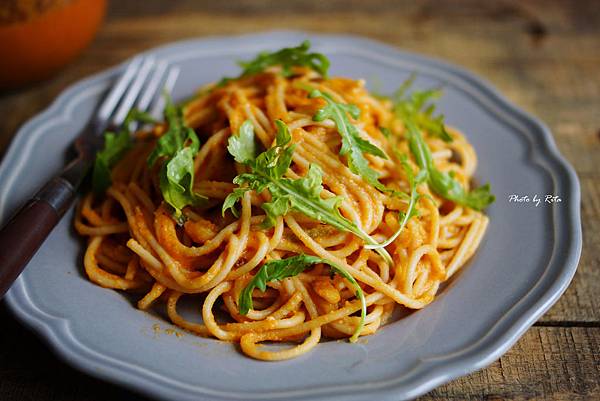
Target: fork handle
(25, 232)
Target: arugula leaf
(176, 135)
(353, 145)
(176, 180)
(443, 183)
(275, 270)
(417, 107)
(115, 146)
(287, 58)
(178, 146)
(302, 195)
(243, 146)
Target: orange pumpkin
(35, 46)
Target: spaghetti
(136, 243)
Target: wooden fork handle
(25, 232)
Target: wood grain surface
(543, 55)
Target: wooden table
(544, 55)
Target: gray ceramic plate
(526, 261)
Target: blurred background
(543, 55)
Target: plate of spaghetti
(331, 219)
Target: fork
(138, 86)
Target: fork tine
(159, 101)
(133, 92)
(150, 91)
(111, 101)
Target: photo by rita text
(535, 199)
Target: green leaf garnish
(287, 58)
(417, 106)
(115, 146)
(302, 195)
(243, 146)
(353, 145)
(177, 147)
(443, 183)
(275, 270)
